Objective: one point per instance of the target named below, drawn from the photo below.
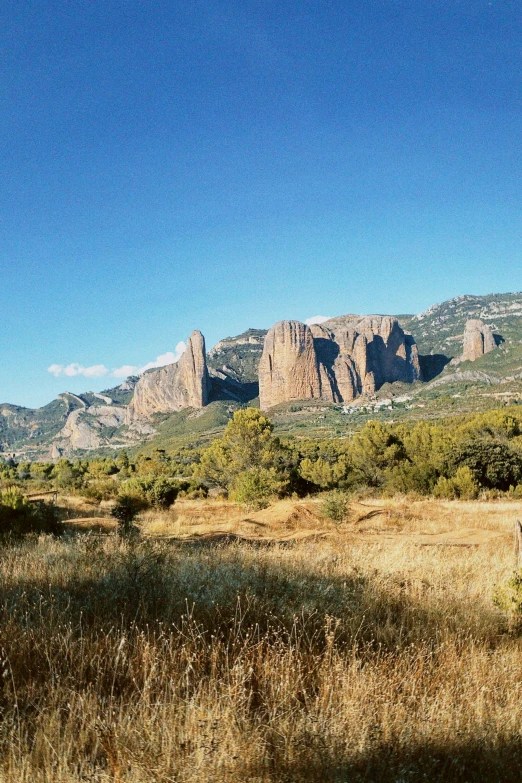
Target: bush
(336, 507)
(18, 517)
(125, 512)
(254, 488)
(157, 492)
(508, 598)
(465, 484)
(410, 477)
(163, 493)
(101, 490)
(461, 485)
(494, 464)
(248, 453)
(445, 488)
(324, 473)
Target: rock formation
(289, 369)
(478, 340)
(84, 428)
(335, 361)
(184, 384)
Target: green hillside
(450, 387)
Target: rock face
(84, 428)
(335, 362)
(185, 384)
(289, 369)
(478, 340)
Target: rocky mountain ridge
(315, 362)
(337, 362)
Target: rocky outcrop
(250, 337)
(289, 369)
(335, 361)
(478, 340)
(184, 384)
(85, 427)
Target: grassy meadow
(229, 647)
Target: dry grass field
(268, 647)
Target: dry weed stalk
(334, 661)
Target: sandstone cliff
(184, 384)
(478, 340)
(288, 369)
(335, 361)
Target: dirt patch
(464, 537)
(91, 524)
(421, 522)
(288, 515)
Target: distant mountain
(233, 364)
(101, 422)
(439, 332)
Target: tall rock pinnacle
(288, 369)
(184, 384)
(478, 340)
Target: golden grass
(364, 655)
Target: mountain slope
(95, 422)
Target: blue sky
(221, 165)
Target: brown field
(271, 646)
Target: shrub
(374, 449)
(516, 492)
(19, 517)
(100, 490)
(163, 492)
(324, 473)
(410, 477)
(66, 475)
(255, 487)
(336, 507)
(247, 445)
(494, 464)
(465, 484)
(461, 485)
(445, 488)
(125, 512)
(508, 598)
(157, 492)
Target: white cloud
(96, 371)
(125, 371)
(165, 358)
(74, 369)
(99, 370)
(317, 319)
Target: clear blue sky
(222, 164)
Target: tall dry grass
(335, 660)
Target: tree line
(459, 457)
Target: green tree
(493, 463)
(247, 444)
(322, 472)
(254, 488)
(41, 471)
(374, 449)
(67, 475)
